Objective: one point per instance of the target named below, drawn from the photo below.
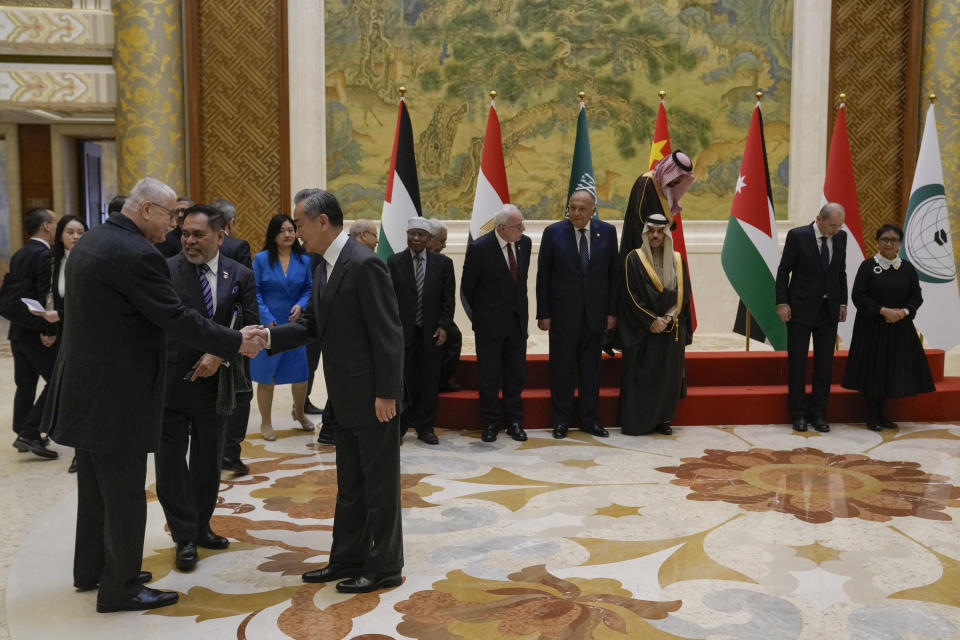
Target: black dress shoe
(147, 599)
(308, 407)
(560, 431)
(325, 437)
(516, 432)
(210, 540)
(367, 583)
(489, 433)
(596, 430)
(873, 426)
(73, 465)
(799, 424)
(331, 572)
(142, 577)
(821, 425)
(664, 428)
(888, 424)
(35, 447)
(429, 437)
(449, 387)
(187, 556)
(236, 466)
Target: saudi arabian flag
(750, 255)
(581, 173)
(402, 200)
(928, 246)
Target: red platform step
(723, 388)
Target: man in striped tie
(424, 284)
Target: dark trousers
(824, 331)
(313, 361)
(421, 376)
(450, 353)
(367, 528)
(573, 356)
(188, 493)
(501, 363)
(31, 361)
(236, 427)
(111, 518)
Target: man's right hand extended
(254, 339)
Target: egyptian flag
(492, 192)
(661, 149)
(839, 186)
(750, 255)
(402, 200)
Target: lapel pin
(226, 275)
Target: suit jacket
(276, 292)
(355, 318)
(29, 277)
(488, 288)
(564, 290)
(801, 280)
(106, 391)
(171, 245)
(235, 285)
(237, 249)
(438, 293)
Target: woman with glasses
(282, 271)
(886, 356)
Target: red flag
(661, 149)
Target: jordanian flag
(839, 186)
(928, 246)
(660, 148)
(750, 256)
(581, 173)
(402, 200)
(492, 192)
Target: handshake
(254, 339)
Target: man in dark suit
(107, 388)
(233, 247)
(811, 299)
(31, 337)
(423, 282)
(576, 272)
(225, 291)
(494, 285)
(450, 351)
(353, 313)
(171, 245)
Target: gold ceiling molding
(62, 90)
(37, 31)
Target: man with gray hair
(107, 392)
(233, 247)
(494, 285)
(450, 351)
(365, 231)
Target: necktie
(824, 253)
(205, 291)
(322, 273)
(512, 259)
(418, 275)
(584, 250)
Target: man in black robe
(653, 330)
(657, 191)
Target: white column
(306, 69)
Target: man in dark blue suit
(575, 303)
(494, 285)
(224, 291)
(811, 299)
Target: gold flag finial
(581, 95)
(401, 91)
(843, 98)
(493, 95)
(932, 98)
(662, 94)
(759, 95)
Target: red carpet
(726, 387)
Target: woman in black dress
(886, 356)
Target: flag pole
(492, 94)
(662, 94)
(747, 329)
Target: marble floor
(749, 532)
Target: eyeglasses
(170, 212)
(519, 225)
(889, 241)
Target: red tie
(513, 261)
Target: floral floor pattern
(737, 532)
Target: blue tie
(205, 291)
(824, 253)
(584, 250)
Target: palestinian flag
(581, 172)
(402, 200)
(492, 192)
(750, 255)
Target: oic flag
(492, 192)
(581, 172)
(928, 246)
(660, 148)
(839, 186)
(750, 254)
(402, 200)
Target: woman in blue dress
(282, 271)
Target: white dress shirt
(819, 235)
(576, 237)
(503, 248)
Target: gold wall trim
(56, 31)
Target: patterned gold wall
(870, 65)
(242, 155)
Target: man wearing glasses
(365, 231)
(171, 244)
(494, 285)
